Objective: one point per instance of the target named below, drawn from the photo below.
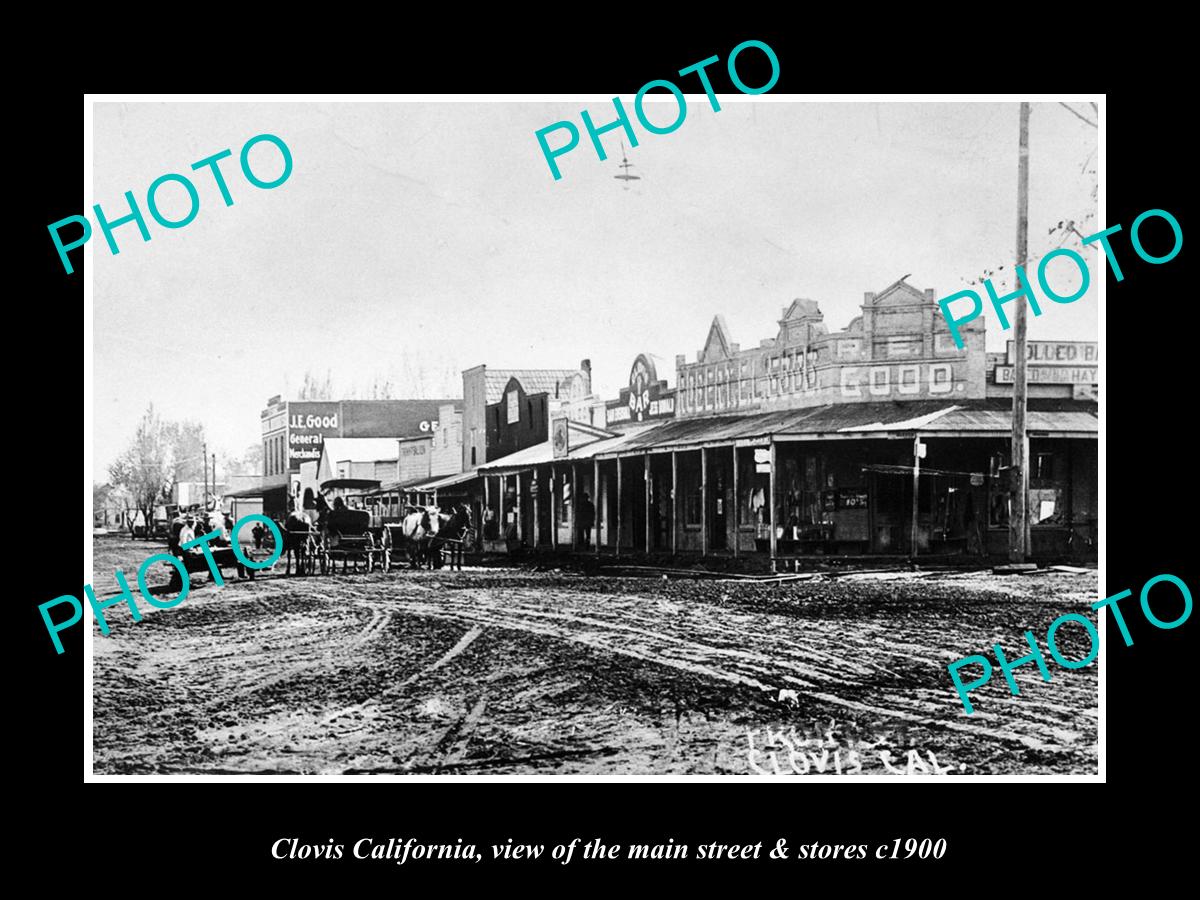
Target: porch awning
(965, 418)
(543, 453)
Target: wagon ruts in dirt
(346, 535)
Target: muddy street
(495, 671)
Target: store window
(944, 343)
(1045, 506)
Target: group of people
(186, 527)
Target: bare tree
(316, 388)
(145, 468)
(186, 441)
(249, 463)
(382, 388)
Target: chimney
(585, 366)
(931, 295)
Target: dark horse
(451, 537)
(296, 533)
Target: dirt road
(499, 671)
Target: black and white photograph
(529, 436)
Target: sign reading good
(1057, 353)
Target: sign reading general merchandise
(1057, 353)
(309, 423)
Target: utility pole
(1018, 543)
(204, 465)
(214, 478)
(918, 452)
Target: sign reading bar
(1051, 374)
(1056, 353)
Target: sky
(413, 240)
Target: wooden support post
(736, 505)
(617, 542)
(517, 508)
(596, 504)
(574, 506)
(537, 496)
(703, 502)
(674, 502)
(487, 505)
(553, 511)
(647, 494)
(774, 512)
(916, 487)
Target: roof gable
(717, 345)
(899, 293)
(533, 381)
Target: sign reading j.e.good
(309, 423)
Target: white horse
(418, 528)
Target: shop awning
(966, 418)
(448, 481)
(437, 483)
(247, 493)
(543, 453)
(350, 484)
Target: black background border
(217, 831)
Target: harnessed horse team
(426, 535)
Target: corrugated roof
(435, 483)
(967, 417)
(925, 416)
(543, 453)
(535, 381)
(446, 481)
(993, 420)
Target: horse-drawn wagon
(346, 535)
(194, 559)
